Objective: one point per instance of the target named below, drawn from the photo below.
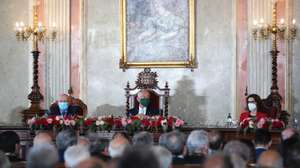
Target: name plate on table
(101, 135)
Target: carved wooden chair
(272, 107)
(158, 96)
(75, 102)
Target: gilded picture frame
(156, 33)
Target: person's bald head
(218, 161)
(270, 158)
(143, 94)
(42, 138)
(63, 98)
(288, 133)
(91, 163)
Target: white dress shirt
(142, 110)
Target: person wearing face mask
(63, 107)
(254, 114)
(144, 107)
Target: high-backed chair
(158, 96)
(272, 107)
(75, 102)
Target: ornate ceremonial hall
(150, 83)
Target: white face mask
(252, 106)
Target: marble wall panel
(14, 65)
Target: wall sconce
(261, 30)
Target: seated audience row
(199, 148)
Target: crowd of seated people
(173, 149)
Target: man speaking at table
(144, 107)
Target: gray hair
(142, 138)
(197, 141)
(41, 138)
(81, 140)
(237, 161)
(164, 156)
(238, 148)
(66, 138)
(174, 142)
(42, 155)
(75, 154)
(4, 161)
(116, 147)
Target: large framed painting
(157, 33)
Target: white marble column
(289, 59)
(57, 53)
(259, 58)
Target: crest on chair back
(147, 79)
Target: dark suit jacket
(72, 110)
(178, 160)
(195, 159)
(149, 112)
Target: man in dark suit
(63, 107)
(144, 107)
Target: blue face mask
(63, 106)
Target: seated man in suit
(63, 107)
(144, 108)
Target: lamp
(262, 30)
(37, 33)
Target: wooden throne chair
(158, 96)
(272, 107)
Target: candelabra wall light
(262, 30)
(37, 33)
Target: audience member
(288, 133)
(10, 145)
(112, 163)
(218, 160)
(117, 146)
(175, 142)
(239, 149)
(42, 138)
(83, 141)
(4, 161)
(216, 141)
(287, 143)
(76, 154)
(238, 162)
(91, 163)
(292, 158)
(270, 158)
(163, 156)
(250, 144)
(42, 156)
(262, 141)
(64, 139)
(123, 134)
(99, 149)
(197, 145)
(142, 138)
(138, 157)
